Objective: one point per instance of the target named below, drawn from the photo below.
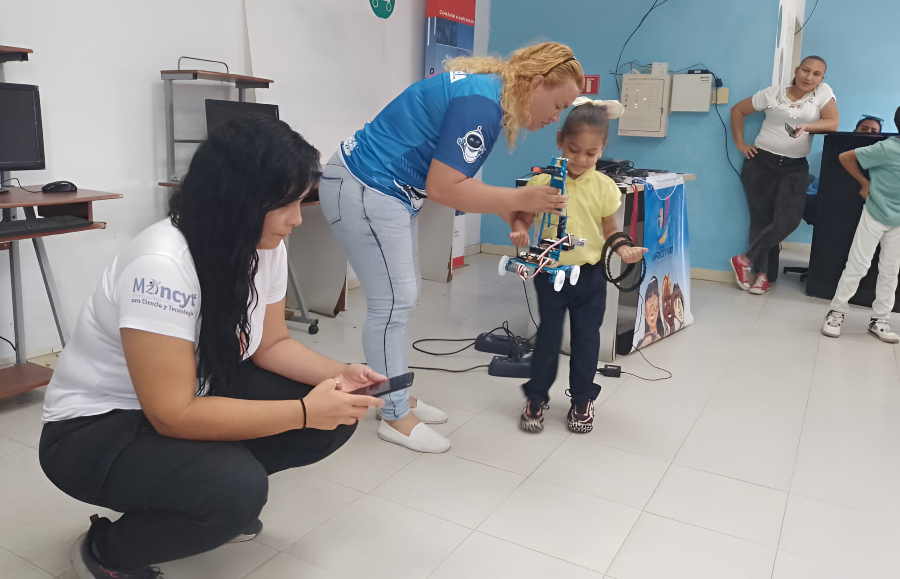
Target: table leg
(303, 318)
(50, 284)
(15, 274)
(52, 292)
(170, 131)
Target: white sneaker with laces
(881, 329)
(832, 326)
(421, 439)
(424, 412)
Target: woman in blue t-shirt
(428, 143)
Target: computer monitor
(21, 133)
(220, 112)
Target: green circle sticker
(382, 8)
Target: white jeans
(869, 234)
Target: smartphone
(790, 130)
(390, 385)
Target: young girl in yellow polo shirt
(593, 202)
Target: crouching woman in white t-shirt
(177, 423)
(775, 173)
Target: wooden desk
(239, 80)
(628, 189)
(11, 53)
(25, 376)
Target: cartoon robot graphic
(544, 257)
(472, 145)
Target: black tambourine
(615, 241)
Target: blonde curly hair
(554, 61)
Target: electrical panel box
(646, 100)
(692, 92)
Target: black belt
(781, 159)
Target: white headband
(614, 109)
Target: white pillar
(790, 19)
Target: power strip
(500, 344)
(506, 367)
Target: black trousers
(776, 195)
(179, 497)
(586, 302)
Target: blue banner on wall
(665, 295)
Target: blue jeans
(381, 239)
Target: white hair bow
(614, 109)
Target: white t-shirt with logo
(780, 110)
(151, 285)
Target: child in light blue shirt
(879, 225)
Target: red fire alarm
(591, 84)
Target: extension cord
(503, 345)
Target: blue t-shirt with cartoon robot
(453, 117)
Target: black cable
(640, 301)
(529, 307)
(807, 18)
(656, 4)
(504, 327)
(724, 127)
(11, 345)
(448, 370)
(638, 64)
(20, 184)
(654, 366)
(718, 114)
(416, 348)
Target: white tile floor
(772, 453)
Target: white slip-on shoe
(424, 412)
(429, 414)
(421, 439)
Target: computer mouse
(59, 187)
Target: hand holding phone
(790, 130)
(387, 386)
(327, 407)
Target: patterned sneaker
(84, 558)
(741, 273)
(881, 329)
(581, 416)
(532, 419)
(832, 326)
(761, 285)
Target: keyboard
(41, 225)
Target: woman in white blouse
(775, 172)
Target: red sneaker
(761, 285)
(741, 272)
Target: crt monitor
(220, 112)
(21, 134)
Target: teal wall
(736, 41)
